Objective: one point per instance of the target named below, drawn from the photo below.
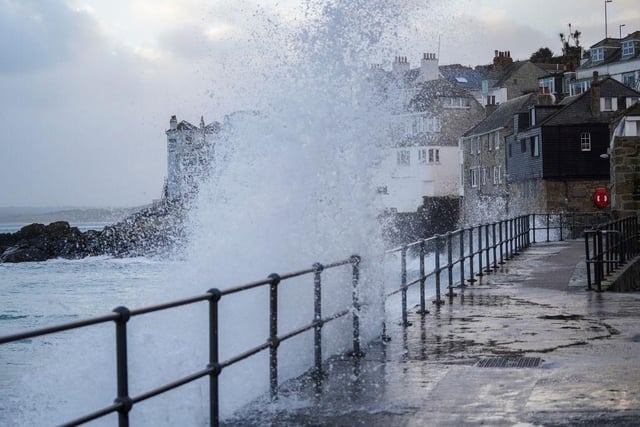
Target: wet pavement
(527, 345)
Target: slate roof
(465, 77)
(578, 110)
(431, 90)
(503, 115)
(613, 50)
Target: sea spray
(291, 185)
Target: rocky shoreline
(153, 231)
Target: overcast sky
(87, 87)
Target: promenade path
(564, 356)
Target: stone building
(624, 157)
(190, 153)
(484, 169)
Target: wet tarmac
(527, 345)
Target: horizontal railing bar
(172, 304)
(94, 415)
(245, 355)
(59, 328)
(170, 386)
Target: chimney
(502, 60)
(400, 65)
(595, 95)
(491, 105)
(429, 67)
(173, 123)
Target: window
(510, 150)
(484, 176)
(473, 177)
(597, 54)
(383, 190)
(585, 141)
(532, 116)
(627, 48)
(404, 158)
(477, 144)
(608, 104)
(523, 145)
(434, 155)
(422, 156)
(495, 175)
(500, 174)
(451, 102)
(496, 140)
(629, 79)
(535, 146)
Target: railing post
(488, 250)
(423, 278)
(355, 262)
(317, 322)
(494, 246)
(438, 300)
(500, 227)
(214, 362)
(274, 341)
(471, 251)
(480, 273)
(587, 258)
(599, 270)
(462, 283)
(450, 263)
(403, 280)
(122, 366)
(534, 228)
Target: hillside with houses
(476, 144)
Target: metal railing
(609, 246)
(124, 403)
(475, 251)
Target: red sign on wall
(601, 198)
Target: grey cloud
(37, 34)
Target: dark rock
(153, 231)
(24, 253)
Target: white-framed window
(535, 146)
(473, 177)
(496, 140)
(629, 79)
(597, 54)
(608, 104)
(484, 176)
(532, 116)
(422, 156)
(499, 174)
(456, 102)
(585, 141)
(434, 155)
(404, 158)
(627, 48)
(477, 139)
(495, 175)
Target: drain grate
(509, 362)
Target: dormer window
(627, 48)
(597, 54)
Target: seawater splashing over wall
(291, 186)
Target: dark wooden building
(556, 157)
